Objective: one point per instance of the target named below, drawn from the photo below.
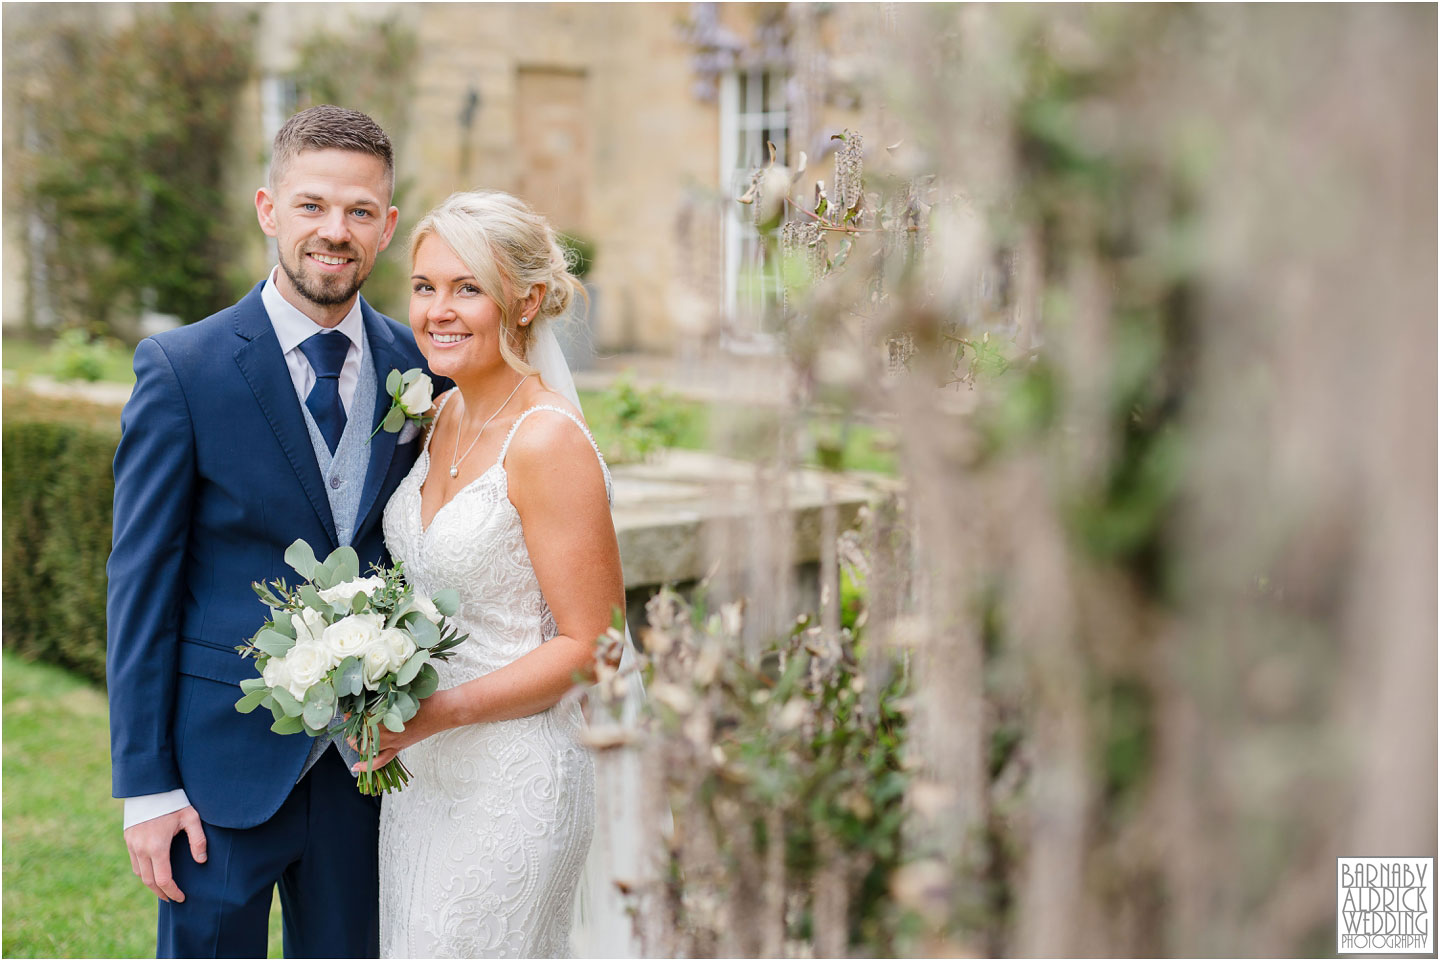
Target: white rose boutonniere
(412, 398)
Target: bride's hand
(427, 721)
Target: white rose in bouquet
(427, 607)
(276, 673)
(306, 664)
(376, 664)
(390, 650)
(309, 625)
(351, 636)
(417, 398)
(346, 592)
(398, 645)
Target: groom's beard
(325, 290)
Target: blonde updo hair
(509, 248)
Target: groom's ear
(392, 217)
(265, 211)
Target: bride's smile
(457, 325)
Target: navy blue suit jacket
(215, 476)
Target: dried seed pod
(849, 167)
(753, 195)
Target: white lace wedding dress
(480, 854)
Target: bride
(481, 855)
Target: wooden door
(554, 134)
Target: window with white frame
(279, 99)
(752, 112)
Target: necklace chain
(455, 461)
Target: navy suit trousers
(320, 847)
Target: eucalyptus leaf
(394, 420)
(274, 643)
(253, 684)
(392, 721)
(350, 677)
(321, 693)
(411, 376)
(358, 603)
(425, 682)
(394, 383)
(283, 624)
(250, 701)
(410, 668)
(287, 702)
(317, 714)
(425, 634)
(288, 725)
(406, 705)
(324, 578)
(344, 563)
(406, 606)
(447, 602)
(301, 556)
(312, 600)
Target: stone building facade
(632, 126)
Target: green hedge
(57, 495)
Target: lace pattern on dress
(481, 853)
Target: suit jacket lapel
(382, 446)
(264, 369)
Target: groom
(245, 431)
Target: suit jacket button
(335, 482)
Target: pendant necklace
(455, 461)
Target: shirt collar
(292, 327)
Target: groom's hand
(149, 846)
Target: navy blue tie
(326, 353)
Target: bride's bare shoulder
(547, 439)
(549, 398)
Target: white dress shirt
(292, 328)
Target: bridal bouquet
(360, 646)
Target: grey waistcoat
(344, 476)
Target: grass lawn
(111, 360)
(69, 892)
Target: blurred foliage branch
(122, 164)
(325, 72)
(787, 780)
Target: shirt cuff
(147, 807)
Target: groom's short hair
(327, 127)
